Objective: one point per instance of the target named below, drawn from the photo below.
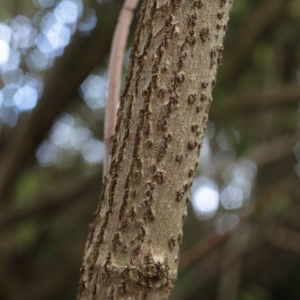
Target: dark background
(51, 155)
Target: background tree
(47, 201)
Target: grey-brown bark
(132, 251)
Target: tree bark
(132, 251)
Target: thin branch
(114, 75)
(60, 88)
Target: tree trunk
(132, 250)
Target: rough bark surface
(132, 251)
